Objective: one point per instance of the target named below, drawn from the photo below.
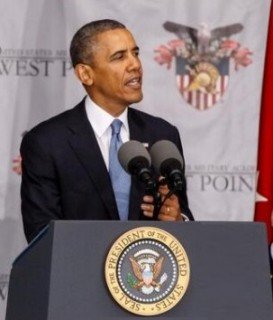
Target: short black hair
(84, 40)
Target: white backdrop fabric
(220, 143)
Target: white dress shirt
(100, 121)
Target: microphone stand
(174, 183)
(175, 186)
(151, 189)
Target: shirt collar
(100, 119)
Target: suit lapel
(137, 129)
(84, 144)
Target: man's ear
(84, 73)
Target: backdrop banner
(203, 67)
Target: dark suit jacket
(64, 174)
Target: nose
(134, 63)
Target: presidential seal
(147, 271)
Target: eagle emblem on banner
(203, 57)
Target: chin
(136, 98)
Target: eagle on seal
(147, 274)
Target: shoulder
(54, 129)
(57, 123)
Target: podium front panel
(229, 279)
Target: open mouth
(134, 82)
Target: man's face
(117, 72)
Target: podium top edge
(39, 236)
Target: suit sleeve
(183, 199)
(40, 193)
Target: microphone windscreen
(163, 152)
(131, 150)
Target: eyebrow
(136, 48)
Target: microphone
(135, 160)
(168, 162)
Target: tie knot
(116, 126)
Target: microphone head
(132, 155)
(166, 157)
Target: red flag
(264, 201)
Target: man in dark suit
(65, 159)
